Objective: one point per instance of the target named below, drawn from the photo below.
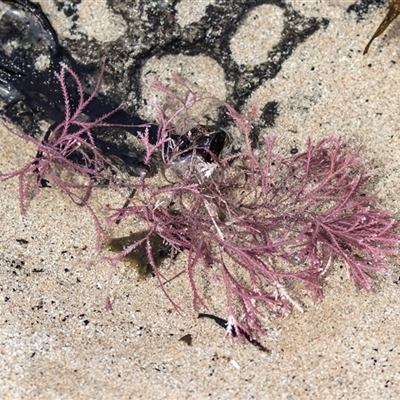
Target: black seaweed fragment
(224, 324)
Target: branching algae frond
(254, 222)
(394, 11)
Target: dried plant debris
(392, 14)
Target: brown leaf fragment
(394, 11)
